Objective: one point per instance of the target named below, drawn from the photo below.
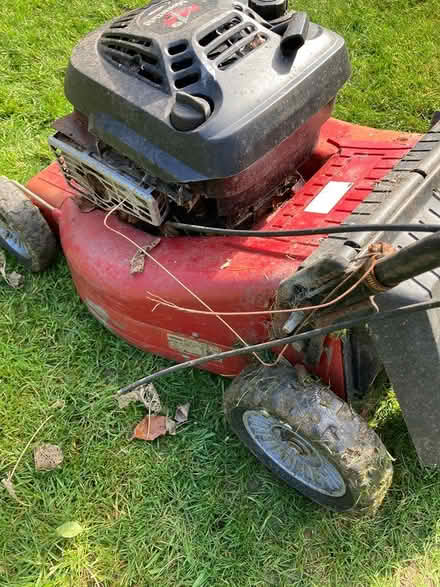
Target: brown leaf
(151, 427)
(171, 427)
(13, 279)
(182, 413)
(9, 486)
(137, 264)
(146, 394)
(47, 457)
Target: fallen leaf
(137, 263)
(3, 265)
(226, 264)
(60, 404)
(182, 413)
(85, 205)
(47, 457)
(9, 486)
(69, 529)
(13, 279)
(171, 427)
(151, 427)
(146, 394)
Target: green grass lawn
(195, 509)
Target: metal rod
(399, 312)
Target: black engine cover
(211, 68)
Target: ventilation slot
(248, 12)
(220, 30)
(187, 80)
(182, 64)
(124, 21)
(232, 40)
(177, 48)
(134, 54)
(249, 43)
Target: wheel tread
(309, 406)
(25, 218)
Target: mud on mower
(209, 207)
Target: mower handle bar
(410, 261)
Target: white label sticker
(328, 197)
(189, 346)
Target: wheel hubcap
(13, 240)
(293, 453)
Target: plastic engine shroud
(127, 76)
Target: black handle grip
(410, 261)
(295, 34)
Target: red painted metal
(51, 186)
(229, 273)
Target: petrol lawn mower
(209, 207)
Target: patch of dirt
(414, 576)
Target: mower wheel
(309, 438)
(23, 230)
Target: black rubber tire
(323, 419)
(24, 220)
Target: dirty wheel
(309, 438)
(23, 230)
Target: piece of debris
(137, 263)
(69, 529)
(146, 394)
(182, 413)
(47, 457)
(9, 486)
(13, 279)
(151, 427)
(171, 427)
(85, 205)
(226, 264)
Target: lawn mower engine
(197, 111)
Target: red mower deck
(229, 274)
